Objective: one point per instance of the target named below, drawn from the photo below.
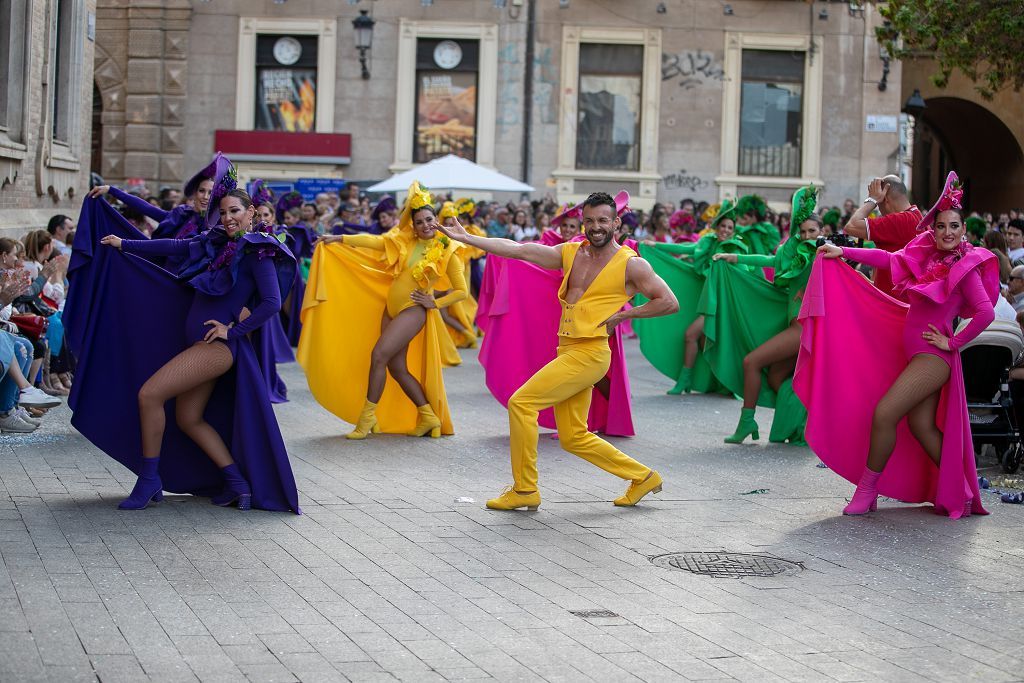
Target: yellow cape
(341, 314)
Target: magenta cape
(519, 312)
(851, 352)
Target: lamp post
(912, 110)
(363, 26)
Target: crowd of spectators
(36, 366)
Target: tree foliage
(983, 39)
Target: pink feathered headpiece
(567, 211)
(951, 198)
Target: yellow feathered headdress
(465, 205)
(418, 198)
(448, 210)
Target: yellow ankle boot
(427, 423)
(367, 423)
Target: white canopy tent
(451, 173)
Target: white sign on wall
(880, 124)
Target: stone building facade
(681, 98)
(46, 57)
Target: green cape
(663, 339)
(742, 311)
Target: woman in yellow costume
(370, 311)
(459, 316)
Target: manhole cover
(727, 565)
(594, 613)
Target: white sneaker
(30, 396)
(25, 417)
(12, 424)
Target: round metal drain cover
(727, 565)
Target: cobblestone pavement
(396, 571)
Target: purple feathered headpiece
(288, 201)
(629, 220)
(224, 177)
(385, 205)
(260, 193)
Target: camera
(839, 240)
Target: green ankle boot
(685, 382)
(746, 427)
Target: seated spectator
(45, 297)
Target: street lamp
(363, 26)
(915, 104)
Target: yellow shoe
(510, 500)
(639, 489)
(427, 423)
(367, 423)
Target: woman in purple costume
(232, 270)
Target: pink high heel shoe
(865, 498)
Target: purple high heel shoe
(147, 488)
(236, 489)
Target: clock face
(447, 54)
(287, 50)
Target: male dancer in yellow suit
(599, 276)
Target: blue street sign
(311, 187)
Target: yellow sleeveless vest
(605, 296)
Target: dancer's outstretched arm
(533, 252)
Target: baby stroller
(987, 361)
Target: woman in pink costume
(929, 456)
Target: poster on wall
(445, 115)
(286, 100)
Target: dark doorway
(955, 134)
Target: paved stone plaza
(396, 571)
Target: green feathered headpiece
(831, 217)
(751, 203)
(976, 226)
(727, 210)
(804, 201)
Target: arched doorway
(956, 134)
(96, 162)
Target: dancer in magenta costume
(519, 309)
(914, 368)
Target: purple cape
(113, 298)
(302, 241)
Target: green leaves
(979, 38)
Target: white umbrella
(451, 173)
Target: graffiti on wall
(692, 68)
(683, 180)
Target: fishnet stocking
(190, 377)
(914, 394)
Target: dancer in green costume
(662, 338)
(755, 320)
(752, 229)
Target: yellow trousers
(565, 383)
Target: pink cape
(518, 313)
(851, 352)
